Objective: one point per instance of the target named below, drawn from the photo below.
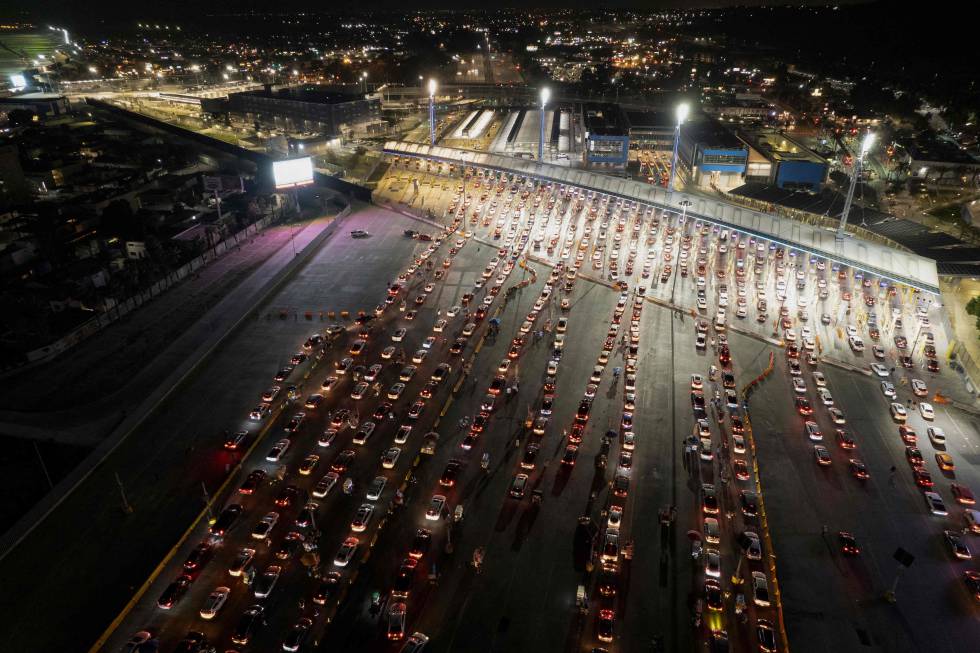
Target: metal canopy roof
(892, 264)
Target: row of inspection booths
(520, 130)
(879, 259)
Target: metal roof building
(876, 258)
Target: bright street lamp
(866, 143)
(545, 96)
(683, 109)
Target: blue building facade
(607, 149)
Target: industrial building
(606, 134)
(43, 105)
(778, 160)
(308, 108)
(520, 132)
(713, 156)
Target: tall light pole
(866, 144)
(545, 95)
(432, 112)
(682, 110)
(364, 80)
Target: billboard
(292, 173)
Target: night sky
(51, 10)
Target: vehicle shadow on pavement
(524, 525)
(561, 480)
(507, 513)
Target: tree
(973, 308)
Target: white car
(362, 518)
(836, 415)
(439, 326)
(214, 602)
(325, 484)
(919, 388)
(851, 330)
(819, 379)
(738, 443)
(799, 385)
(888, 389)
(935, 504)
(278, 450)
(813, 431)
(436, 505)
(346, 551)
(263, 528)
(825, 396)
(856, 343)
(453, 311)
(615, 516)
(697, 382)
(401, 435)
(880, 370)
(899, 413)
(937, 436)
(926, 411)
(552, 367)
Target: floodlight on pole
(683, 109)
(866, 144)
(545, 96)
(432, 112)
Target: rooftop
(710, 133)
(604, 119)
(309, 93)
(927, 147)
(779, 147)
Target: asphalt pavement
(525, 593)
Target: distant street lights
(866, 144)
(432, 112)
(545, 96)
(682, 110)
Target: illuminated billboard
(293, 173)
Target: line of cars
(302, 535)
(613, 539)
(732, 458)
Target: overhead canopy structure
(875, 258)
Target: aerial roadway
(562, 421)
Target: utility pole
(682, 110)
(126, 507)
(432, 112)
(44, 467)
(207, 502)
(545, 94)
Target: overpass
(875, 258)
